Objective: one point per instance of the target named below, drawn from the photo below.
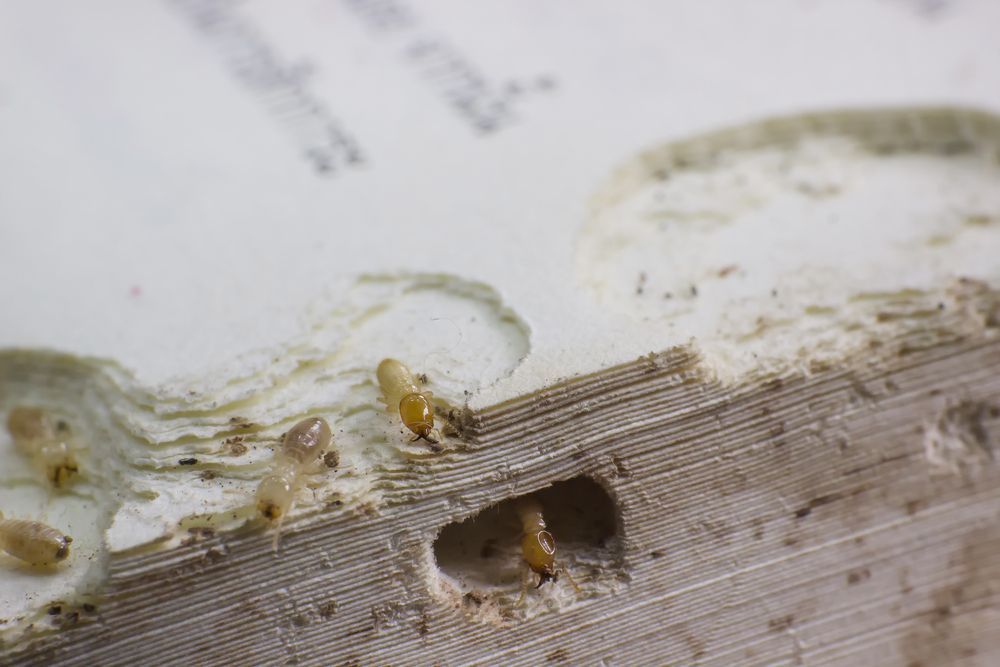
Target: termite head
(63, 551)
(60, 463)
(274, 497)
(417, 413)
(539, 552)
(552, 576)
(62, 474)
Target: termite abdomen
(307, 440)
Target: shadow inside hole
(482, 555)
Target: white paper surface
(157, 208)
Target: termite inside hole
(483, 557)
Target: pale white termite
(403, 396)
(33, 542)
(46, 443)
(301, 447)
(538, 547)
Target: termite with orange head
(302, 446)
(33, 542)
(404, 396)
(538, 547)
(48, 444)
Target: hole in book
(482, 562)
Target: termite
(33, 542)
(45, 443)
(402, 394)
(301, 447)
(538, 547)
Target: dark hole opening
(481, 556)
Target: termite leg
(524, 588)
(570, 577)
(430, 438)
(277, 532)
